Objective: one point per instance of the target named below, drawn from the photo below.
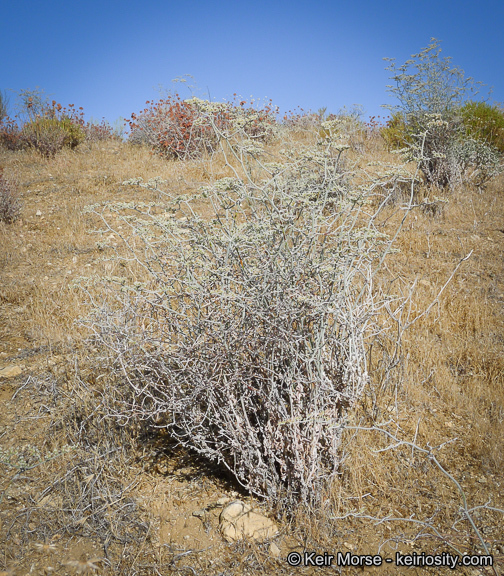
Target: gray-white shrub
(245, 334)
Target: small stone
(274, 550)
(199, 513)
(10, 372)
(222, 501)
(38, 213)
(238, 521)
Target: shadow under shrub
(247, 338)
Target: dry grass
(120, 501)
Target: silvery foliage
(475, 160)
(447, 157)
(430, 92)
(245, 334)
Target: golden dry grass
(448, 388)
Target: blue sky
(109, 56)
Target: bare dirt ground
(81, 494)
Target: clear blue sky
(109, 56)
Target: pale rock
(234, 510)
(10, 372)
(239, 521)
(38, 213)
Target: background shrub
(10, 205)
(74, 134)
(181, 129)
(100, 131)
(49, 127)
(395, 132)
(10, 135)
(484, 122)
(168, 127)
(441, 130)
(47, 135)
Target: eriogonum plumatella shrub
(245, 339)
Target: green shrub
(74, 134)
(49, 135)
(484, 122)
(45, 135)
(395, 132)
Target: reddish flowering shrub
(182, 129)
(95, 132)
(300, 119)
(10, 134)
(168, 127)
(374, 126)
